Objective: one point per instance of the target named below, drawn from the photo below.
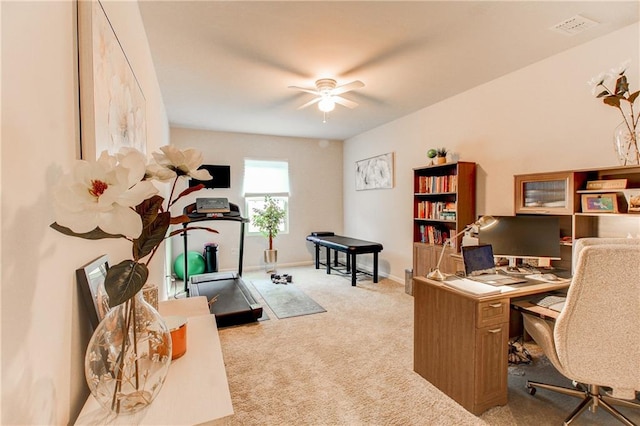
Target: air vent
(574, 25)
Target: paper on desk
(472, 287)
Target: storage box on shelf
(444, 202)
(561, 194)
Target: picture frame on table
(112, 103)
(600, 203)
(90, 279)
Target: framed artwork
(599, 203)
(375, 172)
(112, 105)
(91, 281)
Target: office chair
(595, 340)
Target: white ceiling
(226, 65)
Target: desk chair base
(592, 399)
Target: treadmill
(233, 303)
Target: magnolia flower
(172, 162)
(103, 194)
(598, 81)
(114, 198)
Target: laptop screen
(478, 259)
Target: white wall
(540, 118)
(44, 323)
(315, 203)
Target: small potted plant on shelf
(268, 220)
(441, 155)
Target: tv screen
(221, 177)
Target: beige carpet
(352, 365)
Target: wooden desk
(195, 391)
(460, 340)
(525, 306)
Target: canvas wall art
(112, 103)
(375, 172)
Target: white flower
(178, 163)
(598, 81)
(104, 194)
(621, 68)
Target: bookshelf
(444, 202)
(561, 194)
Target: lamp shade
(482, 223)
(326, 104)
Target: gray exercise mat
(286, 300)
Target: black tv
(221, 177)
(523, 237)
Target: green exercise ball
(195, 264)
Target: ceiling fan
(327, 94)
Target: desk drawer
(493, 312)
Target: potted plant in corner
(268, 220)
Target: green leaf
(124, 280)
(621, 85)
(151, 236)
(613, 101)
(188, 191)
(148, 209)
(183, 218)
(96, 234)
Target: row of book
(436, 184)
(432, 235)
(440, 210)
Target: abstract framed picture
(112, 104)
(375, 172)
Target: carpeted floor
(353, 365)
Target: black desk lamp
(482, 223)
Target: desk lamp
(482, 223)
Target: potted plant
(268, 220)
(441, 155)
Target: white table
(195, 391)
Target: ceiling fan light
(326, 104)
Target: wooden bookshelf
(444, 202)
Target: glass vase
(128, 357)
(625, 141)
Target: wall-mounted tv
(221, 177)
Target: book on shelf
(433, 235)
(438, 210)
(437, 184)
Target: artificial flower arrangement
(613, 87)
(114, 197)
(128, 356)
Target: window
(266, 178)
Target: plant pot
(270, 260)
(441, 160)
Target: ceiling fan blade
(344, 102)
(304, 89)
(311, 102)
(347, 87)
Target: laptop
(480, 266)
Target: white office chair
(596, 339)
